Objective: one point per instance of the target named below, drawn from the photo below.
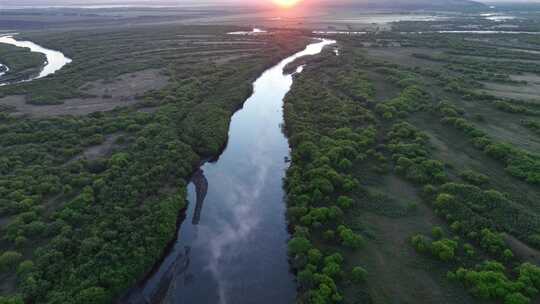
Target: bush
(345, 202)
(9, 260)
(11, 300)
(489, 281)
(314, 256)
(359, 274)
(474, 178)
(420, 243)
(25, 268)
(444, 249)
(349, 238)
(516, 298)
(299, 245)
(437, 232)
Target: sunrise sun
(286, 3)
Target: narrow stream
(232, 246)
(3, 69)
(55, 60)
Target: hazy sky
(184, 1)
(172, 2)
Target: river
(55, 60)
(232, 246)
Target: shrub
(314, 256)
(444, 249)
(345, 202)
(516, 298)
(474, 178)
(359, 274)
(349, 238)
(9, 260)
(437, 232)
(299, 245)
(420, 243)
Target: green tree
(516, 298)
(299, 245)
(444, 249)
(93, 295)
(314, 256)
(420, 243)
(437, 232)
(8, 260)
(359, 274)
(345, 202)
(349, 238)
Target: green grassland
(83, 230)
(411, 182)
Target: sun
(286, 3)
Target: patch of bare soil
(225, 59)
(522, 250)
(119, 92)
(149, 110)
(510, 130)
(4, 221)
(529, 91)
(400, 275)
(397, 273)
(450, 146)
(520, 50)
(101, 150)
(404, 56)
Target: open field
(409, 126)
(529, 90)
(123, 91)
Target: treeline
(329, 131)
(519, 163)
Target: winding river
(232, 246)
(55, 60)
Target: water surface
(232, 246)
(55, 60)
(3, 69)
(255, 31)
(487, 32)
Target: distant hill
(412, 5)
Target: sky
(173, 2)
(197, 1)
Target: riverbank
(233, 199)
(48, 62)
(17, 63)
